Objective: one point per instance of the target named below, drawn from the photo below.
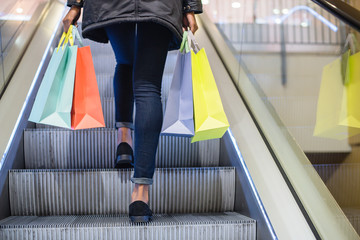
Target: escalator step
(105, 85)
(105, 63)
(228, 225)
(98, 192)
(96, 148)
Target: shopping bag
(178, 117)
(53, 101)
(86, 109)
(350, 111)
(332, 102)
(209, 116)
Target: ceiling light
(304, 24)
(19, 10)
(276, 11)
(285, 11)
(205, 2)
(278, 21)
(236, 5)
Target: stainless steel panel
(87, 192)
(64, 149)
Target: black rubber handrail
(342, 10)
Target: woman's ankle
(140, 193)
(124, 135)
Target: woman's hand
(189, 20)
(71, 17)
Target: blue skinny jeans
(140, 51)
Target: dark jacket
(99, 13)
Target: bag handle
(65, 38)
(192, 42)
(184, 47)
(351, 43)
(75, 32)
(70, 37)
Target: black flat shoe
(139, 212)
(124, 156)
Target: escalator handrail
(342, 10)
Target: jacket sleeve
(192, 6)
(78, 3)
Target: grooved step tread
(105, 191)
(226, 225)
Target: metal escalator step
(96, 148)
(212, 226)
(105, 85)
(104, 64)
(88, 192)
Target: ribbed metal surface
(105, 85)
(82, 192)
(343, 181)
(353, 214)
(66, 149)
(108, 107)
(104, 63)
(227, 226)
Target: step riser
(44, 193)
(106, 90)
(59, 149)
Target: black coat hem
(96, 32)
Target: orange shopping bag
(86, 110)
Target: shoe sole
(124, 161)
(140, 219)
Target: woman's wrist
(74, 7)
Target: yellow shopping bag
(350, 110)
(334, 103)
(209, 116)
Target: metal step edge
(108, 191)
(96, 148)
(163, 227)
(121, 220)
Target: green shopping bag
(53, 101)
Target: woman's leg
(122, 39)
(151, 47)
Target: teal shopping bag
(53, 101)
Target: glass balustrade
(285, 50)
(18, 20)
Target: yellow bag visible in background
(209, 116)
(333, 103)
(350, 110)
